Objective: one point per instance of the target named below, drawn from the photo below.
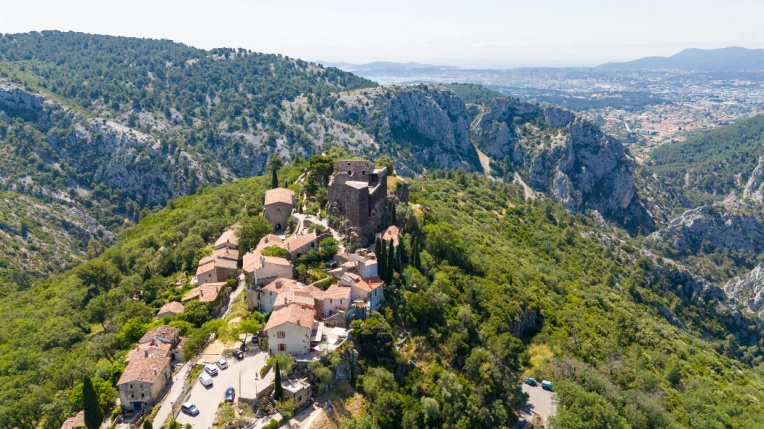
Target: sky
(474, 33)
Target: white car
(211, 369)
(223, 364)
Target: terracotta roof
(228, 237)
(226, 253)
(268, 241)
(172, 307)
(315, 292)
(281, 284)
(152, 348)
(337, 292)
(294, 314)
(162, 331)
(374, 282)
(391, 233)
(145, 370)
(367, 284)
(279, 195)
(77, 421)
(295, 241)
(207, 292)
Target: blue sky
(476, 33)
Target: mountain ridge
(732, 58)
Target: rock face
(721, 226)
(561, 154)
(749, 289)
(432, 122)
(18, 98)
(754, 189)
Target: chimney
(155, 371)
(278, 285)
(145, 353)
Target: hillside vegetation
(505, 288)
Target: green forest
(493, 288)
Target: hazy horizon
(483, 34)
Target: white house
(288, 330)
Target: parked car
(211, 369)
(530, 381)
(222, 363)
(189, 409)
(230, 394)
(238, 354)
(546, 385)
(206, 380)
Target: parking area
(240, 375)
(541, 402)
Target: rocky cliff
(754, 188)
(748, 289)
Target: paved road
(208, 399)
(541, 402)
(177, 387)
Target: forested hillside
(708, 167)
(501, 288)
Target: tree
(278, 392)
(253, 228)
(402, 256)
(382, 260)
(393, 217)
(147, 424)
(378, 247)
(285, 362)
(274, 179)
(390, 263)
(196, 312)
(286, 408)
(93, 412)
(385, 161)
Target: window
(131, 386)
(282, 347)
(330, 301)
(132, 396)
(281, 334)
(141, 385)
(142, 395)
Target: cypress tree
(274, 179)
(147, 424)
(394, 218)
(415, 255)
(402, 257)
(278, 392)
(286, 184)
(390, 263)
(382, 260)
(378, 247)
(93, 412)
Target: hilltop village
(350, 242)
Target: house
(215, 270)
(300, 244)
(367, 266)
(228, 239)
(213, 293)
(75, 422)
(288, 330)
(226, 253)
(260, 270)
(170, 309)
(366, 290)
(143, 381)
(334, 299)
(279, 204)
(299, 390)
(166, 334)
(355, 189)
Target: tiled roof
(391, 233)
(337, 292)
(374, 282)
(281, 284)
(205, 264)
(163, 331)
(294, 314)
(295, 241)
(279, 195)
(145, 370)
(226, 253)
(152, 348)
(77, 421)
(172, 307)
(228, 237)
(367, 284)
(315, 292)
(207, 292)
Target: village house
(362, 263)
(300, 244)
(212, 293)
(215, 270)
(278, 208)
(298, 390)
(75, 422)
(228, 239)
(170, 309)
(288, 330)
(334, 299)
(366, 290)
(147, 368)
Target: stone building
(355, 189)
(279, 204)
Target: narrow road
(175, 391)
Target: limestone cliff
(754, 188)
(749, 289)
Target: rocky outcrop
(16, 97)
(565, 156)
(754, 188)
(748, 290)
(713, 227)
(431, 121)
